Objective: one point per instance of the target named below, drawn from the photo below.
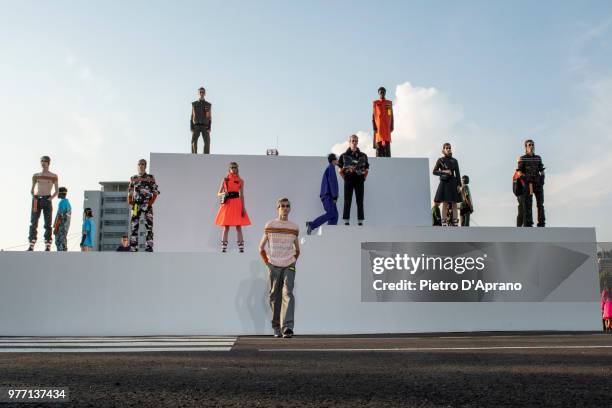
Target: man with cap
(328, 195)
(201, 121)
(142, 193)
(43, 184)
(62, 221)
(382, 122)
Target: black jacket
(353, 163)
(532, 168)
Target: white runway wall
(396, 194)
(106, 293)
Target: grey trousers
(282, 302)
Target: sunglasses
(530, 144)
(234, 167)
(285, 206)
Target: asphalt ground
(433, 370)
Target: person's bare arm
(262, 248)
(221, 189)
(296, 243)
(55, 187)
(192, 114)
(33, 184)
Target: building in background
(111, 214)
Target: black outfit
(354, 168)
(41, 204)
(121, 248)
(200, 123)
(533, 172)
(383, 151)
(449, 183)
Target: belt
(201, 124)
(39, 197)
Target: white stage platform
(118, 294)
(396, 194)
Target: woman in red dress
(232, 212)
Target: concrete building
(111, 214)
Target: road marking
(433, 348)
(114, 344)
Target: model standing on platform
(382, 122)
(531, 167)
(88, 231)
(201, 121)
(142, 193)
(447, 168)
(62, 221)
(281, 235)
(43, 184)
(232, 212)
(354, 169)
(328, 195)
(467, 206)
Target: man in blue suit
(329, 196)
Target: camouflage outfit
(62, 224)
(143, 192)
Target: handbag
(223, 198)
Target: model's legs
(445, 220)
(195, 135)
(359, 188)
(330, 216)
(47, 208)
(520, 217)
(206, 137)
(134, 227)
(149, 227)
(240, 238)
(527, 203)
(379, 149)
(538, 191)
(34, 216)
(224, 236)
(454, 214)
(436, 217)
(348, 198)
(275, 295)
(288, 308)
(388, 150)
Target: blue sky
(98, 85)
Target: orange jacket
(382, 120)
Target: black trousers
(383, 151)
(465, 218)
(195, 135)
(40, 204)
(353, 183)
(520, 217)
(538, 192)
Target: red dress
(230, 212)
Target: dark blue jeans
(330, 216)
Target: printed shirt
(143, 188)
(281, 237)
(383, 119)
(354, 159)
(64, 211)
(531, 166)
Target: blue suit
(329, 193)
